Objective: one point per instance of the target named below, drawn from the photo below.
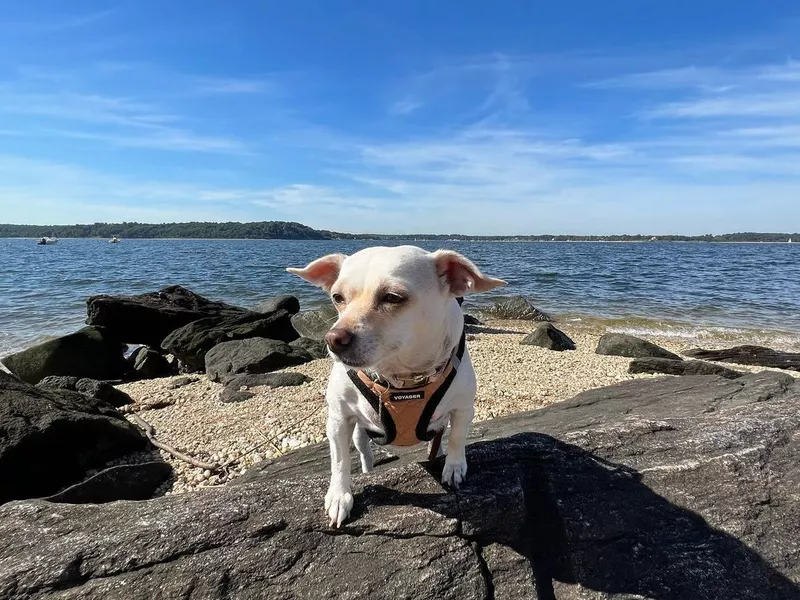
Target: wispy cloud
(234, 86)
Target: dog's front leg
(339, 499)
(455, 465)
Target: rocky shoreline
(219, 388)
(166, 393)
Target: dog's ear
(461, 275)
(322, 272)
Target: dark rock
(58, 382)
(673, 489)
(680, 367)
(102, 390)
(149, 318)
(750, 355)
(315, 324)
(546, 335)
(471, 320)
(50, 438)
(460, 300)
(516, 308)
(288, 303)
(150, 364)
(316, 348)
(124, 482)
(272, 380)
(180, 382)
(99, 390)
(230, 395)
(89, 352)
(622, 344)
(191, 342)
(254, 355)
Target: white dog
(401, 369)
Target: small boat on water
(46, 241)
(114, 240)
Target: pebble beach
(187, 414)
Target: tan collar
(416, 380)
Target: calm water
(674, 288)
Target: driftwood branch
(150, 432)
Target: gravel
(511, 378)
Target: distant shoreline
(408, 239)
(283, 230)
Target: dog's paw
(455, 471)
(338, 504)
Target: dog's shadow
(579, 519)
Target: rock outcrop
(287, 302)
(192, 342)
(750, 355)
(149, 364)
(516, 308)
(237, 389)
(92, 352)
(254, 355)
(622, 344)
(149, 318)
(49, 439)
(547, 335)
(99, 390)
(671, 489)
(668, 366)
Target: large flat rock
(672, 489)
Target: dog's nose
(338, 340)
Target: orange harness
(406, 413)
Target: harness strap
(407, 405)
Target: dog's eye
(392, 298)
(337, 299)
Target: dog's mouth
(349, 361)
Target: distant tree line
(284, 230)
(230, 230)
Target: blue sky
(579, 117)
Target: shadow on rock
(583, 523)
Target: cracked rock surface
(668, 489)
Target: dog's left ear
(322, 272)
(461, 275)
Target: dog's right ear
(322, 272)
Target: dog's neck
(426, 363)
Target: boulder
(272, 380)
(92, 352)
(179, 382)
(191, 342)
(237, 388)
(288, 303)
(750, 355)
(546, 335)
(315, 324)
(123, 482)
(150, 364)
(471, 320)
(316, 348)
(516, 308)
(622, 344)
(254, 355)
(99, 390)
(149, 318)
(50, 438)
(671, 489)
(668, 366)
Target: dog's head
(393, 302)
